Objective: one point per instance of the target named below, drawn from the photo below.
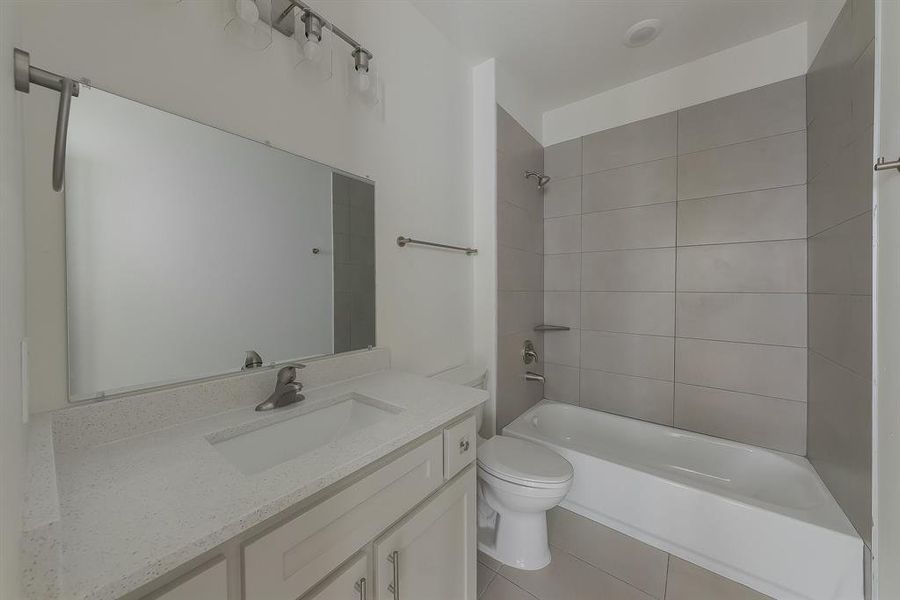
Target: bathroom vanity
(369, 495)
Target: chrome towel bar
(403, 241)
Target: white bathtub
(756, 516)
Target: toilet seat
(523, 463)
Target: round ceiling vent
(642, 33)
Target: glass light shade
(365, 85)
(315, 55)
(249, 22)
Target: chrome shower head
(542, 179)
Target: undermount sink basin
(275, 441)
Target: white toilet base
(521, 541)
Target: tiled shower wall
(353, 222)
(840, 101)
(519, 267)
(675, 249)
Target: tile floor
(570, 578)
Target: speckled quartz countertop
(131, 509)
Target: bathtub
(756, 516)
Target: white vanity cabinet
(431, 552)
(412, 506)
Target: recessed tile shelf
(551, 328)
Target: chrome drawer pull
(394, 587)
(361, 588)
(463, 445)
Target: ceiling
(565, 50)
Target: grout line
(666, 585)
(830, 227)
(675, 278)
(840, 366)
(721, 389)
(514, 584)
(765, 137)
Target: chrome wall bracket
(24, 75)
(883, 165)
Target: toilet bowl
(518, 482)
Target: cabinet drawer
(459, 446)
(351, 582)
(287, 562)
(209, 582)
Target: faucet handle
(288, 373)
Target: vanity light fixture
(312, 36)
(361, 58)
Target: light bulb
(312, 50)
(247, 11)
(362, 81)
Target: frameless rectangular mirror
(187, 246)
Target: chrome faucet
(532, 376)
(287, 389)
(529, 355)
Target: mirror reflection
(187, 247)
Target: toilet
(518, 482)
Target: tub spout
(531, 376)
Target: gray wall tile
(562, 383)
(518, 311)
(518, 270)
(642, 141)
(840, 258)
(840, 328)
(777, 161)
(840, 92)
(626, 395)
(562, 272)
(628, 228)
(562, 197)
(753, 267)
(758, 420)
(520, 266)
(777, 214)
(563, 347)
(636, 185)
(758, 113)
(519, 228)
(687, 581)
(775, 371)
(629, 312)
(562, 234)
(562, 308)
(634, 562)
(759, 318)
(563, 160)
(839, 437)
(514, 394)
(628, 354)
(844, 190)
(629, 270)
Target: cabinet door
(352, 582)
(207, 583)
(288, 561)
(431, 553)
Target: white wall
(775, 57)
(824, 14)
(516, 99)
(12, 311)
(484, 194)
(416, 145)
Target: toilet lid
(523, 462)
